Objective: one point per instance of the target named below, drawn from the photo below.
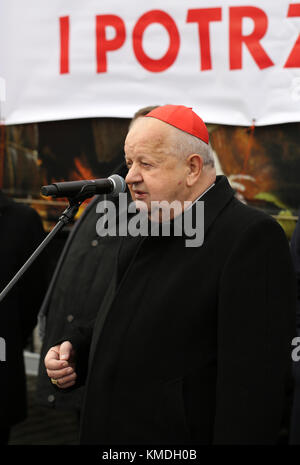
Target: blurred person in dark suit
(21, 231)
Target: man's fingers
(60, 364)
(52, 353)
(65, 350)
(66, 381)
(57, 373)
(65, 386)
(52, 364)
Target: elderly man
(191, 344)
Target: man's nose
(134, 175)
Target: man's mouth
(140, 194)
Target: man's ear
(195, 166)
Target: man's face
(155, 174)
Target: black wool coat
(21, 231)
(192, 345)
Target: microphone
(114, 185)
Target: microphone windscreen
(119, 184)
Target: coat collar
(215, 200)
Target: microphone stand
(67, 215)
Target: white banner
(234, 61)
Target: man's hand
(60, 366)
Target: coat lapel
(215, 200)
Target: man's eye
(145, 164)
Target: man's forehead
(150, 147)
(148, 131)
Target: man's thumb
(65, 350)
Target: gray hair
(184, 144)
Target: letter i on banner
(64, 29)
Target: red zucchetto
(183, 118)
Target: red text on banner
(64, 29)
(204, 16)
(252, 41)
(293, 60)
(104, 45)
(156, 65)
